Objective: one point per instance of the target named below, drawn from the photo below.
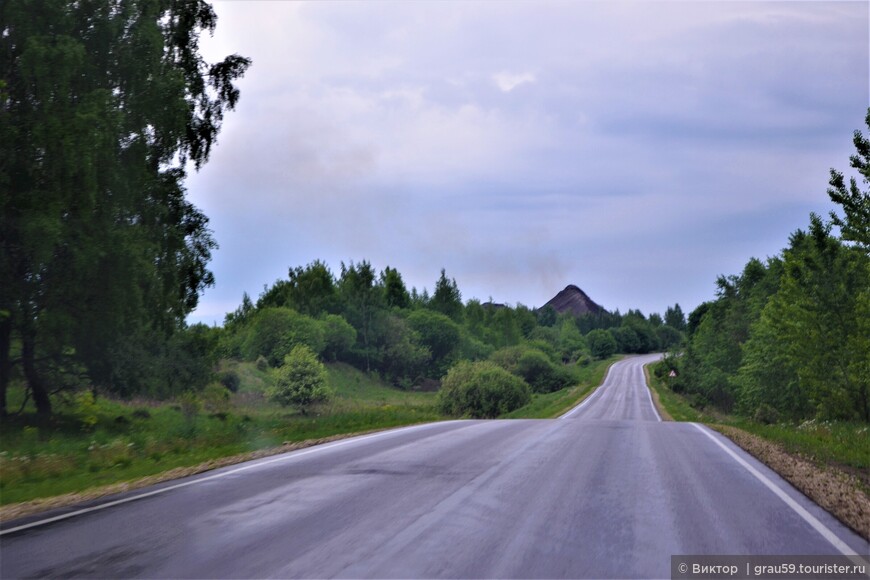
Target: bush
(534, 366)
(340, 336)
(766, 414)
(301, 381)
(601, 344)
(216, 398)
(230, 380)
(439, 334)
(262, 363)
(85, 409)
(275, 331)
(541, 374)
(481, 390)
(508, 357)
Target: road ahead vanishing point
(608, 490)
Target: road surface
(608, 490)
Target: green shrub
(536, 369)
(262, 363)
(766, 414)
(216, 398)
(482, 390)
(340, 336)
(85, 409)
(301, 381)
(275, 331)
(601, 344)
(230, 380)
(534, 366)
(508, 357)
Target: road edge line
(646, 381)
(812, 520)
(251, 465)
(591, 395)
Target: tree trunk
(34, 381)
(5, 362)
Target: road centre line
(799, 509)
(251, 465)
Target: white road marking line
(648, 389)
(588, 399)
(283, 457)
(807, 516)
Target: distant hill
(574, 300)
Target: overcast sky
(637, 150)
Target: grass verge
(130, 440)
(829, 462)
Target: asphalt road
(606, 491)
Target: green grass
(840, 443)
(135, 439)
(548, 405)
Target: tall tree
(855, 223)
(674, 317)
(102, 107)
(395, 292)
(363, 302)
(447, 299)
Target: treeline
(789, 338)
(372, 321)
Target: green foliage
(103, 256)
(85, 409)
(675, 318)
(571, 343)
(447, 299)
(275, 331)
(481, 390)
(395, 293)
(362, 304)
(627, 340)
(534, 366)
(402, 358)
(339, 336)
(215, 398)
(549, 405)
(811, 333)
(789, 339)
(541, 374)
(471, 348)
(310, 290)
(602, 345)
(668, 337)
(59, 458)
(855, 223)
(547, 316)
(440, 335)
(301, 380)
(230, 380)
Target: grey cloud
(378, 130)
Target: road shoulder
(838, 492)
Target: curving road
(608, 490)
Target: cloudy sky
(637, 150)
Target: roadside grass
(839, 444)
(549, 405)
(128, 440)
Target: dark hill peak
(574, 300)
